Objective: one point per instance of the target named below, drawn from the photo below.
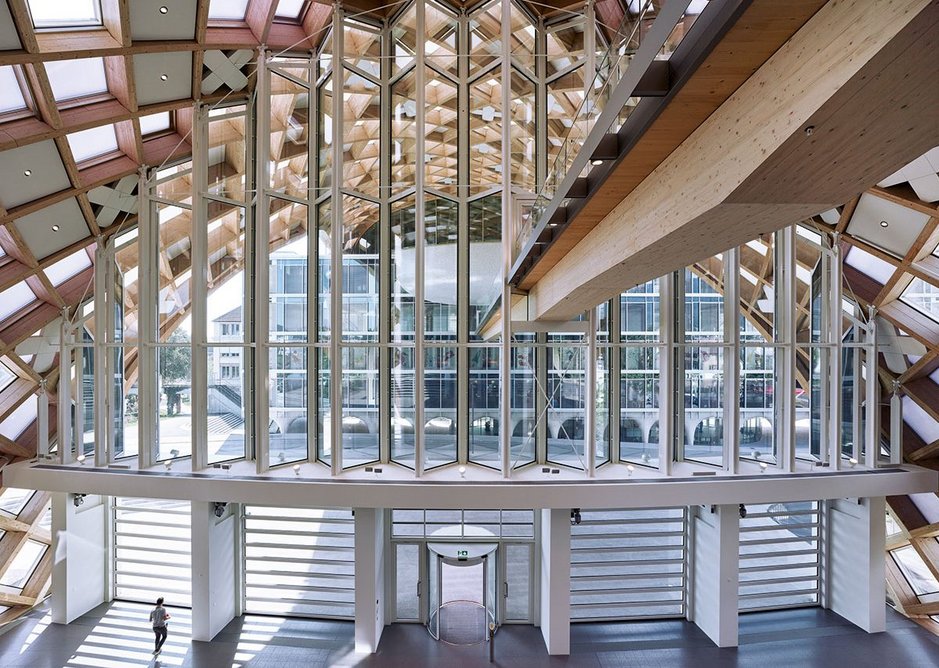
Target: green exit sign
(462, 554)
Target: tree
(175, 362)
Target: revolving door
(462, 591)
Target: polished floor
(117, 636)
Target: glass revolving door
(462, 591)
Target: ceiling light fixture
(296, 469)
(462, 471)
(884, 223)
(163, 77)
(28, 172)
(55, 228)
(164, 9)
(596, 163)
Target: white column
(590, 396)
(731, 361)
(555, 568)
(262, 269)
(856, 548)
(369, 579)
(80, 562)
(199, 260)
(716, 572)
(214, 584)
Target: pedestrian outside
(158, 617)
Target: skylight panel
(11, 93)
(228, 10)
(17, 421)
(920, 421)
(6, 376)
(14, 298)
(289, 9)
(869, 264)
(93, 142)
(65, 14)
(154, 123)
(67, 267)
(922, 296)
(76, 78)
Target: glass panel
(323, 434)
(226, 405)
(13, 500)
(124, 402)
(175, 268)
(402, 406)
(80, 77)
(226, 257)
(639, 313)
(92, 143)
(407, 580)
(174, 365)
(703, 384)
(564, 98)
(360, 269)
(403, 133)
(440, 259)
(288, 428)
(153, 123)
(518, 577)
(324, 252)
(923, 296)
(360, 134)
(227, 158)
(639, 405)
(566, 45)
(290, 132)
(440, 396)
(565, 416)
(11, 92)
(523, 410)
(359, 406)
(404, 40)
(23, 564)
(232, 10)
(288, 283)
(402, 269)
(325, 124)
(485, 38)
(522, 44)
(362, 46)
(440, 143)
(522, 115)
(484, 406)
(441, 30)
(485, 257)
(485, 150)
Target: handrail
(599, 111)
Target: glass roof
(67, 267)
(924, 297)
(93, 142)
(51, 14)
(15, 298)
(289, 9)
(11, 94)
(154, 123)
(228, 10)
(76, 78)
(869, 264)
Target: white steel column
(555, 571)
(148, 399)
(64, 393)
(871, 394)
(214, 583)
(784, 409)
(715, 572)
(508, 236)
(670, 406)
(335, 258)
(262, 232)
(590, 396)
(420, 238)
(856, 552)
(100, 387)
(896, 425)
(369, 578)
(79, 571)
(199, 259)
(42, 420)
(731, 350)
(835, 362)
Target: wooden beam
(752, 168)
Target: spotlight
(644, 457)
(78, 500)
(596, 163)
(852, 462)
(743, 511)
(55, 228)
(630, 468)
(296, 469)
(164, 9)
(462, 471)
(168, 464)
(27, 173)
(884, 223)
(163, 77)
(763, 466)
(81, 460)
(219, 508)
(575, 516)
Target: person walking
(158, 617)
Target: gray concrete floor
(117, 636)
